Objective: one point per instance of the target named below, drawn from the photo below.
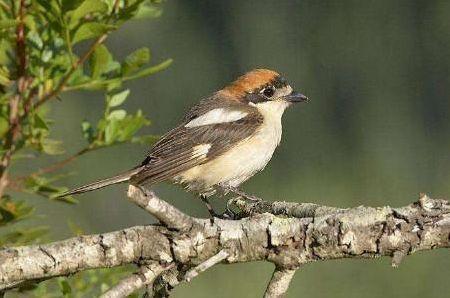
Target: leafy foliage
(38, 63)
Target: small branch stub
(163, 211)
(279, 283)
(222, 255)
(138, 280)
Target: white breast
(247, 158)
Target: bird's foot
(213, 214)
(240, 193)
(228, 214)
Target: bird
(220, 143)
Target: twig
(163, 211)
(5, 6)
(14, 120)
(62, 163)
(78, 63)
(92, 83)
(20, 42)
(136, 281)
(279, 283)
(222, 255)
(17, 183)
(65, 79)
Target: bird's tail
(102, 183)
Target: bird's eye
(268, 91)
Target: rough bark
(279, 283)
(286, 234)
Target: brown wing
(174, 153)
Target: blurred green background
(376, 131)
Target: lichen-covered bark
(286, 241)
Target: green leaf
(30, 23)
(52, 147)
(5, 24)
(12, 211)
(4, 76)
(88, 131)
(118, 99)
(122, 128)
(87, 7)
(42, 186)
(68, 5)
(23, 236)
(52, 8)
(113, 84)
(90, 30)
(4, 125)
(111, 131)
(47, 55)
(35, 39)
(101, 62)
(117, 115)
(78, 77)
(150, 70)
(145, 140)
(39, 122)
(130, 125)
(64, 286)
(148, 11)
(130, 10)
(65, 199)
(6, 49)
(135, 60)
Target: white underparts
(217, 116)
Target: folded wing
(197, 141)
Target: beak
(295, 97)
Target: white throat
(272, 109)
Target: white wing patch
(217, 116)
(201, 150)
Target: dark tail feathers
(102, 183)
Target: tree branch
(136, 281)
(279, 283)
(163, 211)
(286, 241)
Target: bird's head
(263, 87)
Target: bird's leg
(240, 193)
(209, 206)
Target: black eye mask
(255, 98)
(266, 92)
